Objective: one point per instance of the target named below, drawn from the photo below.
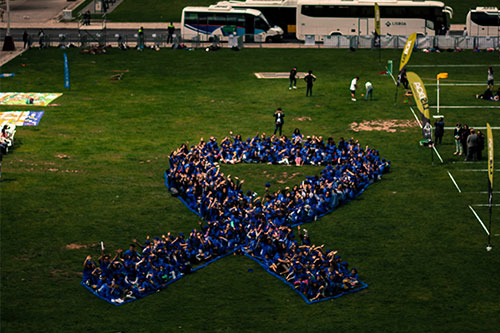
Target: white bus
(483, 21)
(282, 13)
(203, 23)
(356, 17)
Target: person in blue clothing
(241, 220)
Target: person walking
(293, 79)
(369, 90)
(352, 88)
(279, 120)
(309, 78)
(439, 130)
(457, 133)
(171, 31)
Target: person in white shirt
(369, 90)
(353, 87)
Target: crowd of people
(469, 142)
(245, 223)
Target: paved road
(37, 11)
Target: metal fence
(397, 42)
(102, 37)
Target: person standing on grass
(309, 78)
(369, 90)
(439, 130)
(457, 133)
(352, 88)
(279, 119)
(471, 146)
(463, 138)
(480, 145)
(171, 31)
(491, 79)
(293, 79)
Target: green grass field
(411, 236)
(165, 11)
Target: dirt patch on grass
(283, 177)
(63, 156)
(74, 246)
(391, 126)
(305, 118)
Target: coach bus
(356, 17)
(282, 13)
(222, 21)
(483, 21)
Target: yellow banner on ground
(420, 96)
(405, 57)
(490, 154)
(377, 19)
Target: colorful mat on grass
(21, 118)
(16, 98)
(283, 75)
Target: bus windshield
(261, 23)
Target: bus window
(429, 25)
(191, 18)
(217, 19)
(485, 19)
(261, 24)
(202, 21)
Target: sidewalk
(74, 25)
(37, 11)
(6, 56)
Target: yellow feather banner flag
(490, 154)
(405, 56)
(377, 19)
(420, 96)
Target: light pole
(8, 42)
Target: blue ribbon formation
(242, 223)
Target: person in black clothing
(404, 79)
(25, 38)
(293, 79)
(439, 130)
(463, 138)
(86, 18)
(480, 145)
(487, 95)
(171, 31)
(309, 78)
(140, 39)
(279, 119)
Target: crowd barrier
(103, 37)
